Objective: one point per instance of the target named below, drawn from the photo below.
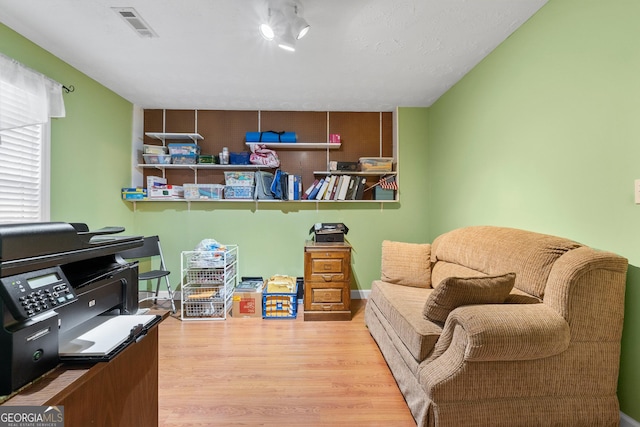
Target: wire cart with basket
(208, 280)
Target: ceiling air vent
(135, 21)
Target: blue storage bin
(280, 305)
(241, 158)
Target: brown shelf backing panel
(310, 126)
(152, 123)
(387, 134)
(225, 129)
(209, 176)
(302, 162)
(179, 176)
(179, 121)
(359, 134)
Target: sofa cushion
(454, 292)
(402, 308)
(442, 269)
(494, 250)
(407, 264)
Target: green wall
(90, 147)
(543, 135)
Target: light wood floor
(253, 372)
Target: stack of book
(336, 187)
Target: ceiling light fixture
(299, 26)
(284, 23)
(287, 41)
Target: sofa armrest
(505, 332)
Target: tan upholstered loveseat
(545, 353)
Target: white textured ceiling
(360, 55)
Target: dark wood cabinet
(327, 278)
(120, 393)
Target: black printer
(65, 295)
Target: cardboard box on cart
(247, 298)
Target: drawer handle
(326, 277)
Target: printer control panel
(29, 294)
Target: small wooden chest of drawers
(327, 278)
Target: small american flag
(388, 183)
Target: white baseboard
(627, 421)
(360, 293)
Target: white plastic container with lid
(224, 156)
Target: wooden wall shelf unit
(363, 134)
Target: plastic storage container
(157, 159)
(376, 164)
(239, 178)
(155, 149)
(203, 191)
(238, 191)
(183, 148)
(184, 159)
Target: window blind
(27, 101)
(21, 160)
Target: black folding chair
(152, 249)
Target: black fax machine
(66, 295)
(329, 232)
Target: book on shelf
(316, 189)
(358, 194)
(297, 187)
(323, 189)
(342, 193)
(344, 186)
(293, 186)
(351, 188)
(330, 187)
(336, 188)
(309, 190)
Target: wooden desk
(122, 392)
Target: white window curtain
(27, 100)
